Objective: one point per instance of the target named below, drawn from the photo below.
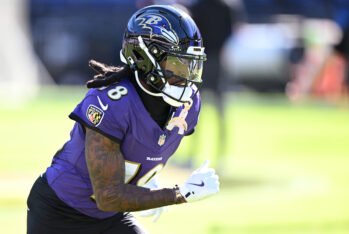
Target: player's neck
(158, 109)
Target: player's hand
(202, 183)
(156, 212)
(105, 74)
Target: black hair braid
(106, 75)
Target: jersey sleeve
(98, 112)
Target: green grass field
(284, 170)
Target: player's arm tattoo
(106, 167)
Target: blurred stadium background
(274, 124)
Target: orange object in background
(330, 84)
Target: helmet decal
(158, 26)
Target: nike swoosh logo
(200, 185)
(104, 107)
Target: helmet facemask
(172, 76)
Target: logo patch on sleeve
(94, 115)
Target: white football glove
(156, 212)
(203, 182)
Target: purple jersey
(118, 113)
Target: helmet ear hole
(137, 55)
(141, 62)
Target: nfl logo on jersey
(162, 139)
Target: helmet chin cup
(176, 96)
(171, 101)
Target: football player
(129, 124)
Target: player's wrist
(179, 198)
